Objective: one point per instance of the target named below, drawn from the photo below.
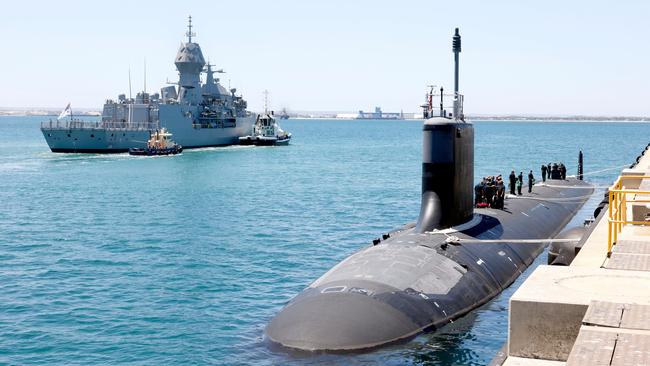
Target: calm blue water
(183, 260)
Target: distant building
(378, 114)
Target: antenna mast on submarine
(447, 164)
(458, 103)
(456, 49)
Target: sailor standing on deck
(531, 181)
(501, 193)
(520, 182)
(562, 171)
(477, 194)
(543, 173)
(490, 190)
(513, 182)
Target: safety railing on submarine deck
(445, 104)
(619, 198)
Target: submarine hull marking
(399, 266)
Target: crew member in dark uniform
(531, 181)
(543, 173)
(548, 172)
(513, 182)
(489, 194)
(501, 194)
(562, 171)
(520, 182)
(478, 192)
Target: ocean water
(113, 259)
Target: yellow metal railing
(619, 197)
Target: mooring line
(453, 239)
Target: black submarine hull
(413, 282)
(427, 274)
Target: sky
(519, 57)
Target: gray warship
(198, 114)
(425, 275)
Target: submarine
(424, 275)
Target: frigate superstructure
(198, 114)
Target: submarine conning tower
(447, 163)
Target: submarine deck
(410, 282)
(595, 311)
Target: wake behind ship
(197, 114)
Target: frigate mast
(189, 63)
(189, 33)
(209, 74)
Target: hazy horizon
(551, 58)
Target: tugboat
(159, 143)
(266, 130)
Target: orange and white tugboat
(159, 143)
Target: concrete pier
(597, 310)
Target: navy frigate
(424, 275)
(197, 114)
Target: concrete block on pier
(604, 314)
(519, 361)
(632, 247)
(629, 261)
(546, 312)
(543, 329)
(593, 348)
(604, 346)
(633, 183)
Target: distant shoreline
(45, 114)
(501, 119)
(7, 112)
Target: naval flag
(66, 112)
